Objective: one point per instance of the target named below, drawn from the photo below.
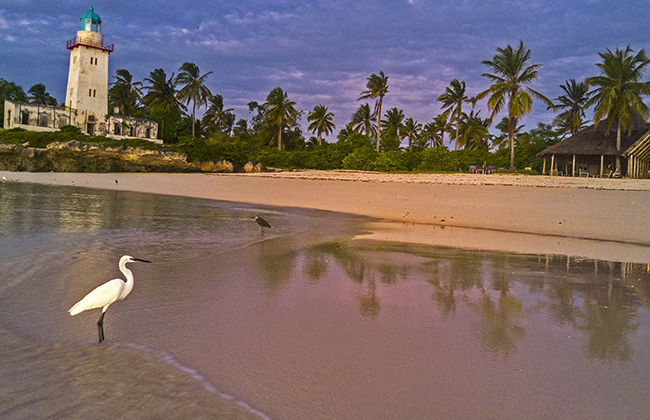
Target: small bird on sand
(263, 223)
(111, 291)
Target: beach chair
(489, 170)
(472, 169)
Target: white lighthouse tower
(87, 89)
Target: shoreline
(587, 217)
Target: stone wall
(75, 156)
(33, 117)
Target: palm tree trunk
(511, 135)
(618, 147)
(280, 138)
(378, 122)
(193, 111)
(457, 127)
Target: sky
(323, 51)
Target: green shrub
(70, 129)
(361, 159)
(437, 159)
(392, 161)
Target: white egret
(263, 223)
(111, 291)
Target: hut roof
(640, 149)
(593, 141)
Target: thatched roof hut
(592, 152)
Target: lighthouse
(87, 89)
(86, 98)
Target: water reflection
(499, 294)
(598, 300)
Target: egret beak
(138, 259)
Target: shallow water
(302, 322)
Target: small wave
(170, 360)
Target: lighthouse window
(94, 92)
(91, 60)
(74, 59)
(90, 92)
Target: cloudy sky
(322, 51)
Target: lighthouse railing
(74, 42)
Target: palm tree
(125, 93)
(452, 102)
(279, 110)
(574, 102)
(474, 133)
(321, 122)
(40, 96)
(194, 88)
(412, 131)
(377, 88)
(161, 93)
(618, 91)
(504, 127)
(345, 133)
(216, 115)
(393, 125)
(430, 136)
(362, 120)
(241, 129)
(511, 72)
(441, 125)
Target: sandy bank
(599, 218)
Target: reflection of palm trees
(484, 283)
(452, 274)
(607, 320)
(562, 306)
(278, 261)
(608, 311)
(315, 266)
(369, 301)
(360, 271)
(498, 330)
(444, 296)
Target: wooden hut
(590, 152)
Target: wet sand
(596, 218)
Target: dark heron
(263, 223)
(106, 294)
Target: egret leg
(100, 327)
